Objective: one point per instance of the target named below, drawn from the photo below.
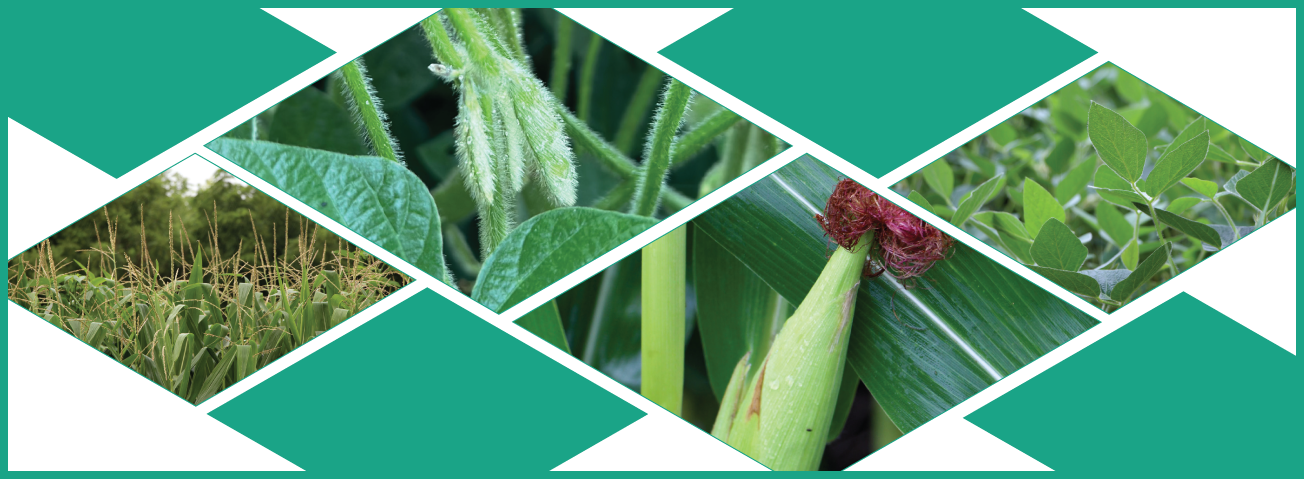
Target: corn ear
(805, 364)
(747, 420)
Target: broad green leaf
(373, 197)
(737, 312)
(1200, 125)
(1061, 155)
(1009, 223)
(1144, 271)
(1177, 164)
(1256, 153)
(985, 223)
(1039, 206)
(1057, 247)
(1216, 153)
(971, 309)
(976, 198)
(1002, 133)
(1114, 189)
(1113, 224)
(1075, 181)
(1227, 236)
(1107, 278)
(1180, 205)
(919, 199)
(311, 119)
(546, 248)
(1153, 120)
(1203, 187)
(940, 178)
(545, 322)
(1230, 185)
(1193, 229)
(1073, 281)
(1129, 87)
(1267, 185)
(1120, 145)
(1131, 254)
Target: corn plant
(1108, 187)
(198, 333)
(759, 320)
(525, 168)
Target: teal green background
(1182, 391)
(426, 386)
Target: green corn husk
(799, 384)
(729, 403)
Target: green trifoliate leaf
(975, 199)
(1193, 229)
(1203, 187)
(940, 178)
(1039, 206)
(1120, 145)
(1178, 163)
(1114, 225)
(1267, 185)
(1057, 247)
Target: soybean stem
(694, 141)
(639, 104)
(443, 48)
(587, 72)
(367, 109)
(561, 59)
(665, 125)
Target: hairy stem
(561, 58)
(1236, 233)
(665, 126)
(734, 155)
(639, 104)
(508, 23)
(616, 162)
(478, 49)
(694, 141)
(367, 112)
(663, 323)
(587, 72)
(443, 47)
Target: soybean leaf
(1057, 247)
(1129, 87)
(1257, 154)
(1061, 155)
(737, 312)
(976, 198)
(1076, 181)
(1002, 133)
(311, 119)
(1120, 145)
(940, 178)
(1039, 206)
(1180, 205)
(1073, 281)
(983, 222)
(1200, 125)
(1267, 185)
(1153, 120)
(1230, 185)
(1177, 164)
(980, 320)
(919, 199)
(1144, 271)
(1131, 254)
(546, 248)
(1114, 225)
(1107, 278)
(374, 197)
(1193, 229)
(1204, 187)
(1216, 153)
(1115, 189)
(1227, 236)
(1009, 223)
(545, 322)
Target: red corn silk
(903, 243)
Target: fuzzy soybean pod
(474, 149)
(804, 367)
(545, 137)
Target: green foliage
(1104, 157)
(213, 318)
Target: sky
(197, 172)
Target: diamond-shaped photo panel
(1108, 187)
(807, 321)
(498, 150)
(195, 280)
